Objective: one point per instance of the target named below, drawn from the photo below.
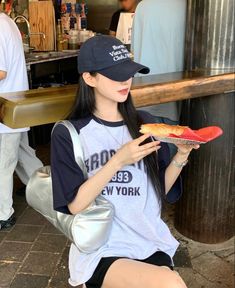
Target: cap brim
(124, 71)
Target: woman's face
(109, 89)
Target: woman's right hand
(133, 152)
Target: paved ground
(35, 255)
(203, 265)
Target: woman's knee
(134, 274)
(173, 281)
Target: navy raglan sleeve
(67, 176)
(163, 161)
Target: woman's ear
(89, 79)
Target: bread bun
(162, 130)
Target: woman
(124, 167)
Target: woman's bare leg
(125, 273)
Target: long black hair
(85, 106)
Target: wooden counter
(42, 106)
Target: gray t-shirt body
(138, 230)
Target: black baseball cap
(108, 56)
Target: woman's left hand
(186, 149)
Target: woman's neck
(107, 110)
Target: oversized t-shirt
(137, 230)
(12, 61)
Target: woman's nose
(126, 82)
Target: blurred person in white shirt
(15, 152)
(126, 6)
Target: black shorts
(159, 258)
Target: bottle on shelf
(73, 18)
(64, 18)
(73, 39)
(84, 11)
(78, 10)
(59, 36)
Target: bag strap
(77, 146)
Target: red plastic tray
(191, 137)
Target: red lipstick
(124, 91)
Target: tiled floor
(33, 254)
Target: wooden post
(205, 213)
